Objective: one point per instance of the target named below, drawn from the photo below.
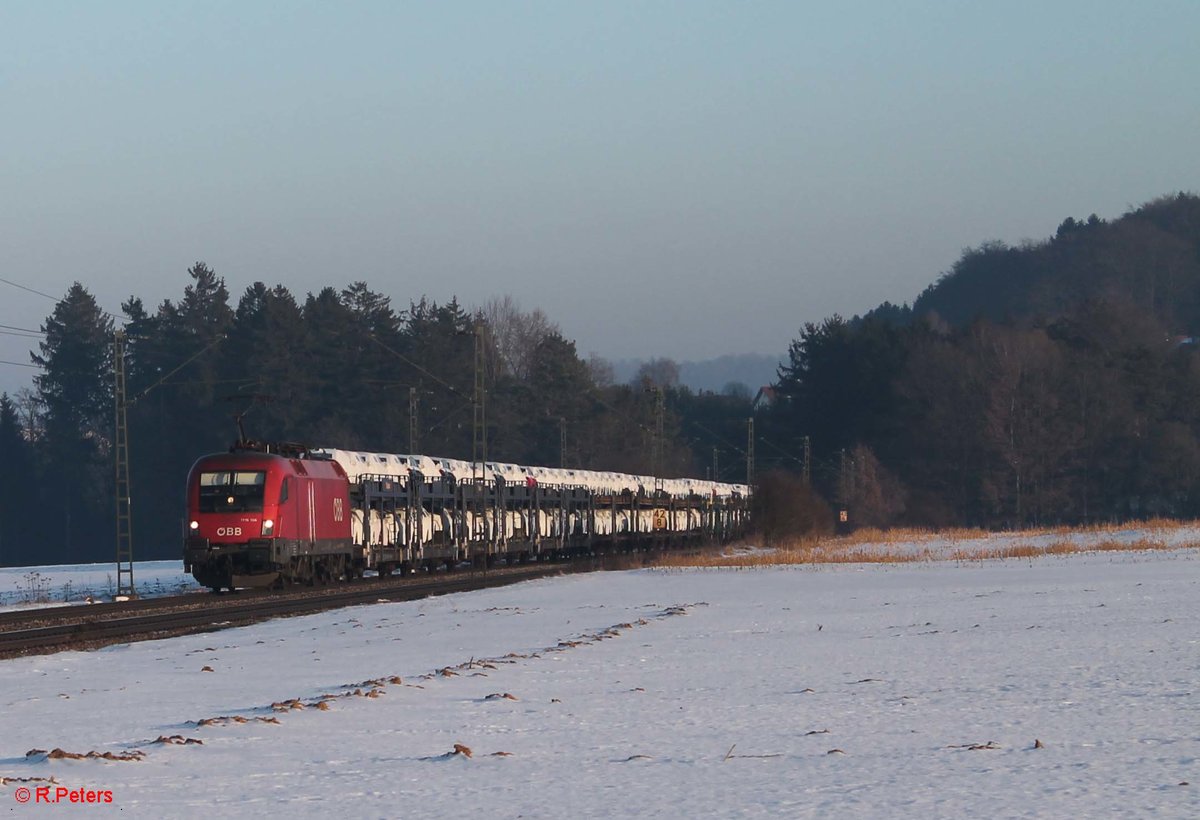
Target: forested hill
(1150, 258)
(1056, 382)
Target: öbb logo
(229, 530)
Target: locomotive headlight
(195, 525)
(268, 526)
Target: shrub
(786, 509)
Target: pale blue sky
(663, 179)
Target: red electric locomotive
(257, 518)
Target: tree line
(337, 369)
(1050, 382)
(1054, 382)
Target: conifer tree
(75, 390)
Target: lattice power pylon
(479, 438)
(125, 585)
(750, 451)
(413, 442)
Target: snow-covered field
(1058, 687)
(967, 545)
(73, 583)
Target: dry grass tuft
(460, 749)
(1058, 548)
(61, 754)
(976, 747)
(180, 740)
(4, 781)
(730, 754)
(224, 720)
(907, 545)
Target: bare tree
(875, 497)
(658, 373)
(30, 410)
(601, 370)
(516, 333)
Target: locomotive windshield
(240, 491)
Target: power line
(188, 361)
(418, 367)
(782, 451)
(22, 364)
(24, 329)
(55, 299)
(30, 290)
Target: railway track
(49, 630)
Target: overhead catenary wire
(10, 330)
(782, 451)
(56, 299)
(29, 289)
(18, 335)
(739, 450)
(24, 329)
(184, 364)
(446, 417)
(417, 367)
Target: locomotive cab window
(283, 491)
(240, 491)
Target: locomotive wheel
(337, 568)
(224, 575)
(304, 570)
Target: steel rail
(196, 598)
(89, 628)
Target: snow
(72, 583)
(935, 546)
(847, 691)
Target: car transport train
(266, 514)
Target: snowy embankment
(1060, 687)
(74, 583)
